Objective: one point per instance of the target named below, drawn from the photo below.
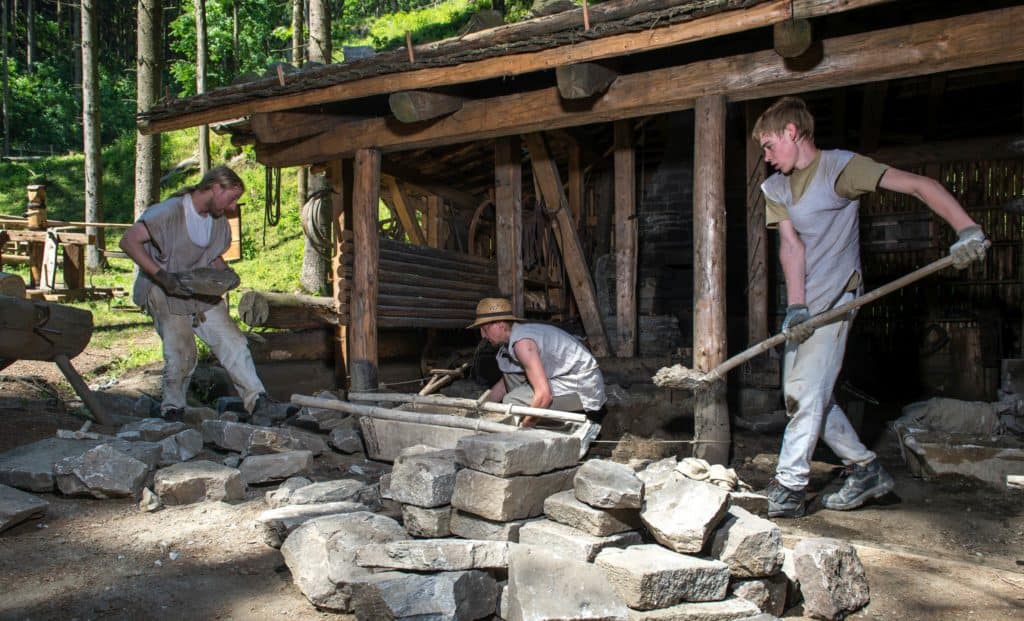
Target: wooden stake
(280, 75)
(586, 17)
(408, 47)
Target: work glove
(970, 246)
(795, 326)
(171, 284)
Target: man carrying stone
(813, 200)
(170, 240)
(542, 366)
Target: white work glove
(795, 326)
(970, 246)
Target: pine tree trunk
(91, 135)
(6, 86)
(30, 35)
(147, 91)
(314, 266)
(204, 130)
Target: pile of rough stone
(613, 543)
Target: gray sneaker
(784, 502)
(863, 484)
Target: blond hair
(781, 113)
(218, 175)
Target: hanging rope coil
(316, 222)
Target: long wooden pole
(499, 408)
(441, 420)
(711, 412)
(625, 240)
(508, 199)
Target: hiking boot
(863, 484)
(272, 410)
(784, 502)
(173, 414)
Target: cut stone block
(682, 513)
(572, 542)
(650, 576)
(196, 481)
(543, 585)
(182, 446)
(436, 555)
(427, 522)
(386, 439)
(278, 523)
(266, 440)
(154, 429)
(321, 555)
(832, 578)
(564, 508)
(101, 472)
(424, 479)
(751, 546)
(335, 491)
(469, 526)
(276, 467)
(608, 485)
(512, 454)
(17, 506)
(459, 596)
(228, 435)
(731, 609)
(30, 466)
(768, 594)
(505, 499)
(752, 502)
(282, 495)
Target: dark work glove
(970, 246)
(794, 326)
(171, 284)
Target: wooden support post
(711, 413)
(625, 240)
(575, 187)
(366, 241)
(83, 391)
(434, 236)
(406, 212)
(339, 176)
(74, 266)
(508, 200)
(545, 171)
(757, 236)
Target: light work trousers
(521, 393)
(178, 332)
(809, 375)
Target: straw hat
(493, 309)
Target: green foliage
(425, 22)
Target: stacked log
(35, 330)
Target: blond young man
(813, 201)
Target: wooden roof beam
(285, 125)
(920, 49)
(417, 106)
(719, 24)
(583, 80)
(462, 200)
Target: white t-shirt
(199, 227)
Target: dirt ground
(934, 550)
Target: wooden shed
(596, 163)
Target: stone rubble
(832, 579)
(682, 513)
(436, 555)
(101, 472)
(574, 543)
(258, 469)
(456, 595)
(196, 481)
(17, 506)
(564, 508)
(607, 485)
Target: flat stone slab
(275, 467)
(153, 429)
(281, 496)
(750, 545)
(427, 522)
(731, 609)
(425, 478)
(436, 555)
(459, 596)
(265, 440)
(335, 491)
(100, 472)
(321, 555)
(546, 585)
(278, 523)
(572, 542)
(17, 506)
(30, 467)
(514, 454)
(607, 485)
(832, 578)
(228, 435)
(469, 526)
(564, 508)
(751, 501)
(682, 513)
(650, 576)
(196, 481)
(504, 499)
(182, 446)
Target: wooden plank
(711, 412)
(339, 176)
(285, 125)
(434, 222)
(905, 51)
(363, 365)
(757, 234)
(583, 80)
(426, 185)
(74, 265)
(40, 237)
(417, 106)
(625, 240)
(406, 212)
(716, 25)
(508, 199)
(545, 171)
